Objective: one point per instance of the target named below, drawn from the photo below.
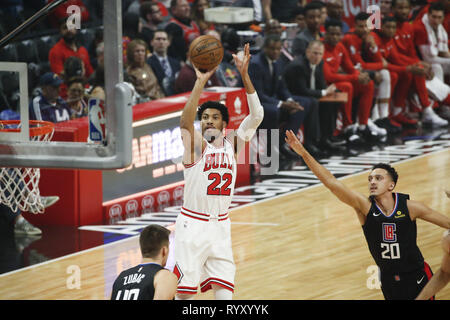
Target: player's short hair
(390, 170)
(362, 16)
(152, 239)
(214, 105)
(333, 23)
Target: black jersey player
(388, 220)
(148, 280)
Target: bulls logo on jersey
(217, 160)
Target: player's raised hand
(294, 143)
(204, 76)
(242, 59)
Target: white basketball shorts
(203, 254)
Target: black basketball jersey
(136, 283)
(392, 239)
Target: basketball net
(19, 187)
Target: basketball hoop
(19, 187)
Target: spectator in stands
(227, 73)
(274, 27)
(77, 99)
(312, 32)
(335, 10)
(278, 9)
(298, 17)
(62, 13)
(230, 43)
(67, 47)
(304, 77)
(141, 75)
(186, 78)
(282, 110)
(357, 43)
(432, 40)
(356, 83)
(133, 28)
(198, 15)
(411, 74)
(166, 68)
(151, 18)
(73, 67)
(181, 29)
(48, 105)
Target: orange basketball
(206, 52)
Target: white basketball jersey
(209, 183)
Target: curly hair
(215, 105)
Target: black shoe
(388, 125)
(315, 151)
(368, 135)
(335, 141)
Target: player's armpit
(165, 284)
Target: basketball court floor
(292, 239)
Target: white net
(19, 187)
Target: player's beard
(212, 134)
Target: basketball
(206, 52)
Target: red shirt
(354, 45)
(60, 52)
(335, 58)
(388, 50)
(60, 12)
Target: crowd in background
(395, 76)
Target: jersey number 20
(391, 250)
(214, 189)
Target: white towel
(438, 41)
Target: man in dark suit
(304, 76)
(165, 68)
(282, 110)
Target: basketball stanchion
(19, 187)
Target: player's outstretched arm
(442, 277)
(354, 199)
(165, 284)
(248, 126)
(419, 210)
(192, 139)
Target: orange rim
(37, 127)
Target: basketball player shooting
(388, 220)
(202, 250)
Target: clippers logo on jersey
(217, 160)
(389, 232)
